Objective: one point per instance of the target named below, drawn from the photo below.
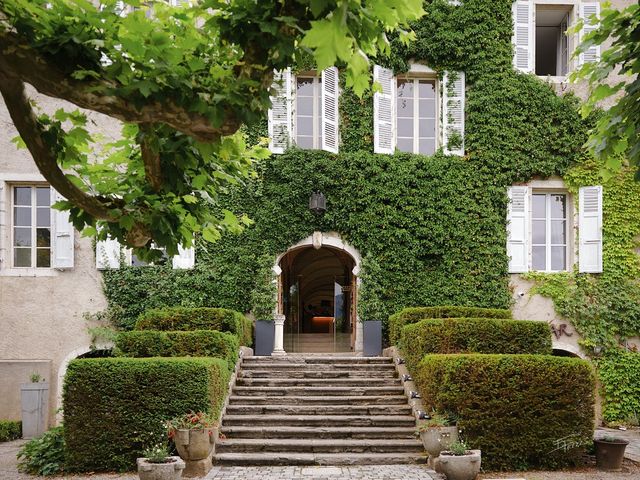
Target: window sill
(554, 79)
(29, 272)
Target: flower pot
(436, 439)
(460, 467)
(195, 444)
(609, 454)
(171, 470)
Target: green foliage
(515, 408)
(157, 454)
(619, 374)
(10, 430)
(197, 343)
(185, 318)
(116, 407)
(263, 296)
(44, 455)
(473, 335)
(410, 315)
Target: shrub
(204, 318)
(44, 455)
(518, 409)
(116, 407)
(197, 343)
(473, 335)
(415, 314)
(10, 430)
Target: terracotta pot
(436, 439)
(460, 467)
(609, 455)
(160, 471)
(195, 444)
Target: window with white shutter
(108, 254)
(280, 115)
(590, 12)
(185, 259)
(63, 238)
(416, 115)
(32, 224)
(590, 229)
(518, 229)
(549, 231)
(523, 35)
(453, 95)
(308, 111)
(330, 113)
(383, 111)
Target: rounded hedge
(10, 430)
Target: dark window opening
(552, 42)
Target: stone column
(278, 338)
(359, 347)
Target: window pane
(43, 196)
(427, 128)
(405, 145)
(405, 127)
(136, 262)
(43, 237)
(305, 126)
(304, 106)
(538, 206)
(22, 216)
(43, 257)
(405, 89)
(304, 142)
(558, 206)
(538, 258)
(558, 231)
(21, 257)
(427, 89)
(427, 146)
(558, 258)
(22, 237)
(22, 196)
(43, 217)
(427, 108)
(539, 231)
(405, 107)
(305, 86)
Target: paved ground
(632, 452)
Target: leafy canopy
(182, 80)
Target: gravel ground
(630, 471)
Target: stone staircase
(318, 410)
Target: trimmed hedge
(473, 335)
(415, 314)
(203, 318)
(516, 408)
(116, 407)
(10, 430)
(197, 343)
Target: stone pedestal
(198, 468)
(278, 339)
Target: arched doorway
(318, 292)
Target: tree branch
(17, 57)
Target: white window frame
(317, 108)
(33, 207)
(416, 77)
(571, 39)
(569, 234)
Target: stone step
(302, 433)
(317, 373)
(322, 420)
(253, 445)
(333, 459)
(316, 359)
(258, 400)
(316, 366)
(317, 391)
(317, 382)
(328, 409)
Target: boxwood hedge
(10, 430)
(196, 343)
(116, 407)
(473, 335)
(203, 318)
(520, 410)
(415, 314)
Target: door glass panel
(558, 232)
(558, 206)
(22, 216)
(558, 258)
(43, 196)
(22, 237)
(539, 206)
(22, 196)
(405, 144)
(538, 231)
(21, 257)
(427, 146)
(538, 258)
(43, 257)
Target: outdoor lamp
(317, 203)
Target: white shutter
(383, 108)
(330, 114)
(518, 229)
(108, 254)
(453, 112)
(587, 9)
(280, 115)
(62, 238)
(185, 259)
(590, 229)
(523, 32)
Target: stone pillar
(359, 347)
(278, 338)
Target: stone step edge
(329, 459)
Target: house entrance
(318, 299)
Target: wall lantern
(317, 203)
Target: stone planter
(35, 402)
(609, 454)
(437, 439)
(460, 467)
(171, 470)
(195, 444)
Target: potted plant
(157, 464)
(194, 435)
(609, 452)
(437, 433)
(460, 463)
